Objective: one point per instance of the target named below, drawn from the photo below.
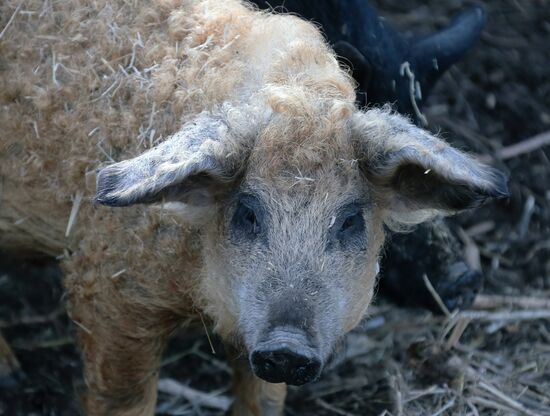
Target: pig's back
(85, 84)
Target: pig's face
(292, 218)
(298, 258)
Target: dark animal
(379, 55)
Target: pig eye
(351, 230)
(245, 220)
(353, 224)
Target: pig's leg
(253, 396)
(122, 350)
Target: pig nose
(285, 362)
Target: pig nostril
(279, 363)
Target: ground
(491, 360)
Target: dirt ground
(491, 360)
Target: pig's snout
(286, 357)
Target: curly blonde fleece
(83, 84)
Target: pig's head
(291, 212)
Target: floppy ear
(193, 166)
(419, 175)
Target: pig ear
(433, 54)
(418, 174)
(192, 166)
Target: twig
(527, 315)
(33, 319)
(471, 250)
(472, 408)
(417, 394)
(331, 408)
(81, 326)
(324, 389)
(196, 397)
(11, 19)
(480, 228)
(218, 363)
(499, 301)
(490, 404)
(458, 330)
(74, 211)
(447, 406)
(8, 361)
(514, 404)
(207, 334)
(414, 90)
(525, 146)
(45, 344)
(436, 296)
(483, 387)
(398, 395)
(526, 215)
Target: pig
(203, 161)
(376, 54)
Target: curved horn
(433, 54)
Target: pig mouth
(286, 356)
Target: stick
(207, 335)
(33, 319)
(490, 404)
(449, 404)
(480, 228)
(74, 211)
(436, 296)
(499, 301)
(526, 315)
(414, 87)
(508, 400)
(8, 361)
(331, 408)
(525, 146)
(471, 250)
(196, 397)
(458, 330)
(11, 20)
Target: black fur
(376, 51)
